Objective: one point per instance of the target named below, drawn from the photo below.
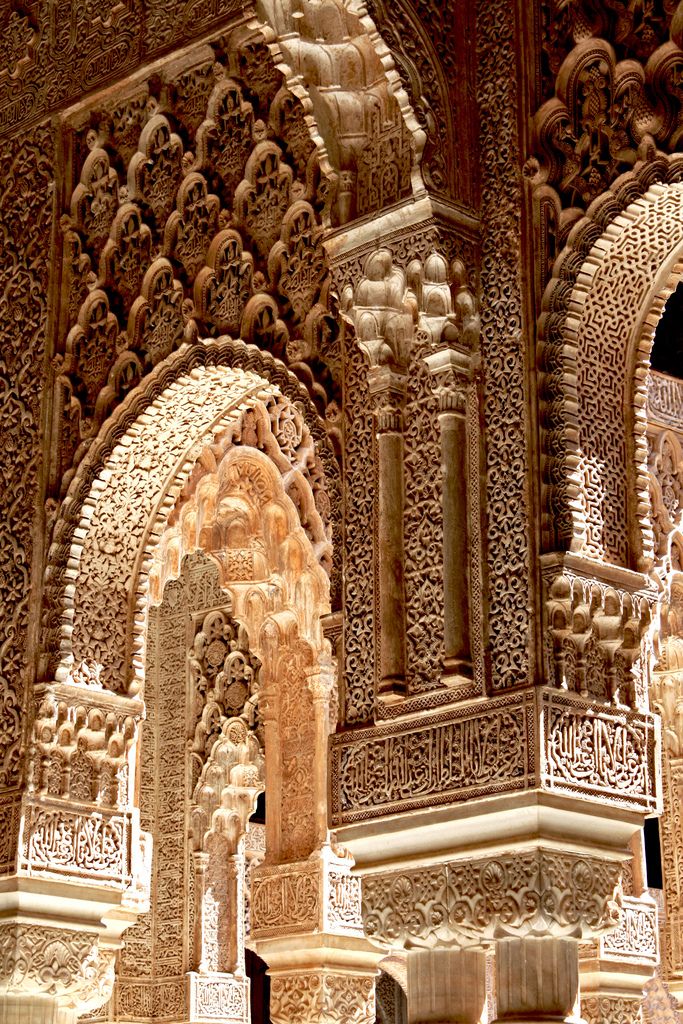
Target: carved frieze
(615, 1009)
(636, 937)
(285, 900)
(62, 842)
(664, 399)
(605, 753)
(586, 750)
(26, 198)
(308, 996)
(215, 997)
(452, 756)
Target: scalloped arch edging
(219, 361)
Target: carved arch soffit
(157, 447)
(629, 240)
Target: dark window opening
(259, 989)
(667, 349)
(653, 854)
(259, 815)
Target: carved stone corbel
(306, 924)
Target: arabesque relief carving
(287, 532)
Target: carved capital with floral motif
(70, 966)
(388, 393)
(322, 997)
(451, 372)
(533, 891)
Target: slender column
(234, 915)
(537, 981)
(446, 986)
(201, 865)
(388, 389)
(321, 683)
(450, 369)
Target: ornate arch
(124, 492)
(595, 350)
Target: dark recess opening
(259, 815)
(259, 988)
(653, 854)
(667, 349)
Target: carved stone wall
(502, 350)
(26, 204)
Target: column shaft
(34, 1009)
(457, 655)
(391, 558)
(446, 986)
(537, 981)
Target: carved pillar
(219, 922)
(201, 866)
(235, 876)
(306, 924)
(446, 985)
(451, 371)
(388, 390)
(384, 312)
(616, 967)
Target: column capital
(72, 967)
(451, 370)
(388, 388)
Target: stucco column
(450, 369)
(388, 390)
(537, 980)
(234, 951)
(321, 684)
(201, 866)
(446, 986)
